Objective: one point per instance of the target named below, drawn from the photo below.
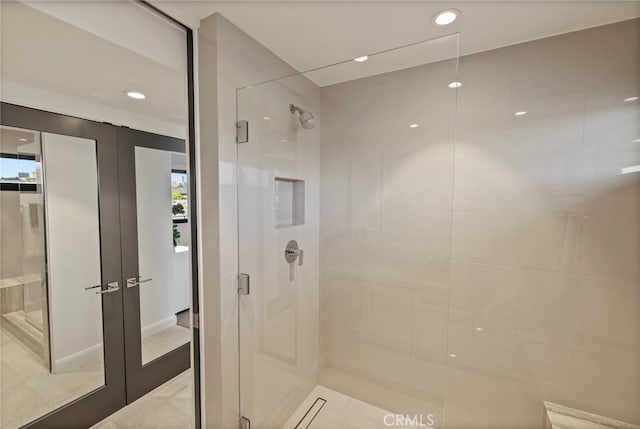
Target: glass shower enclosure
(345, 193)
(23, 290)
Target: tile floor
(28, 390)
(163, 342)
(169, 406)
(340, 411)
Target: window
(179, 193)
(19, 172)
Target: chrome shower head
(306, 118)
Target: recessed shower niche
(289, 202)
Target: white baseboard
(91, 354)
(72, 362)
(158, 326)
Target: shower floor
(327, 409)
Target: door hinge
(243, 284)
(196, 320)
(245, 423)
(242, 131)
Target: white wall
(485, 274)
(124, 47)
(163, 297)
(228, 59)
(73, 241)
(128, 24)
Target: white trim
(73, 361)
(158, 326)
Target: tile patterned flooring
(163, 342)
(340, 411)
(169, 406)
(28, 390)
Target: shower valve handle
(293, 252)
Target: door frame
(104, 401)
(192, 171)
(23, 117)
(141, 379)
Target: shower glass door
(344, 191)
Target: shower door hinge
(245, 423)
(243, 284)
(242, 131)
(196, 320)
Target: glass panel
(163, 251)
(51, 328)
(179, 195)
(366, 275)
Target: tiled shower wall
(473, 277)
(277, 323)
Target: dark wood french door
(158, 348)
(142, 289)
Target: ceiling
(310, 34)
(51, 64)
(75, 58)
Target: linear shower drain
(311, 413)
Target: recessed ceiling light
(636, 141)
(361, 59)
(23, 140)
(413, 126)
(631, 99)
(283, 140)
(455, 85)
(520, 113)
(136, 95)
(452, 355)
(446, 17)
(266, 118)
(479, 329)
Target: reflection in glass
(179, 193)
(51, 327)
(163, 249)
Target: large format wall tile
(500, 269)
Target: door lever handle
(111, 287)
(135, 281)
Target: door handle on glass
(111, 287)
(135, 281)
